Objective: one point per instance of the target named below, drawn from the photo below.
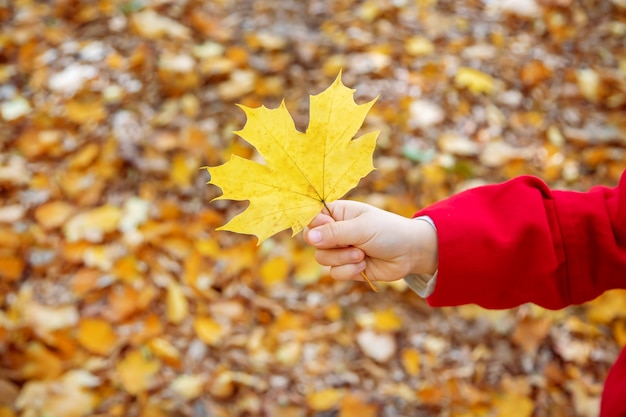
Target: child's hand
(358, 237)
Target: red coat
(507, 244)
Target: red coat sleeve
(516, 242)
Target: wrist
(424, 247)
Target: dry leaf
(208, 330)
(92, 225)
(512, 404)
(419, 46)
(109, 107)
(411, 361)
(274, 271)
(325, 399)
(380, 320)
(531, 332)
(11, 267)
(97, 336)
(165, 351)
(379, 346)
(474, 80)
(352, 406)
(619, 333)
(41, 363)
(183, 170)
(14, 109)
(188, 386)
(607, 307)
(54, 214)
(68, 397)
(177, 306)
(8, 393)
(123, 302)
(83, 112)
(151, 25)
(136, 372)
(303, 170)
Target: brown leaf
(530, 332)
(8, 393)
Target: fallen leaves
(70, 396)
(117, 296)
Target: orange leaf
(411, 360)
(136, 372)
(352, 405)
(83, 112)
(11, 267)
(531, 332)
(619, 332)
(53, 214)
(208, 330)
(41, 363)
(97, 336)
(326, 399)
(165, 351)
(123, 303)
(151, 327)
(7, 412)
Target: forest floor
(119, 298)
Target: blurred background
(117, 296)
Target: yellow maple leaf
(302, 171)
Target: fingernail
(355, 255)
(315, 236)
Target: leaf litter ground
(119, 299)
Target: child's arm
(498, 246)
(517, 242)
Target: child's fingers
(348, 272)
(338, 234)
(319, 220)
(340, 256)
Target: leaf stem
(371, 284)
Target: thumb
(337, 234)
